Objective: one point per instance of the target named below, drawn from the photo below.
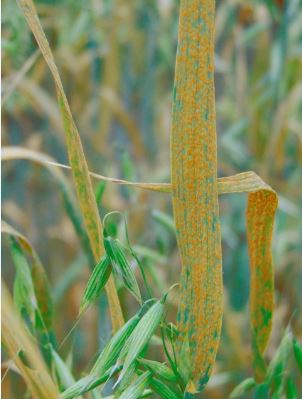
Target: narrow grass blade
(291, 389)
(16, 338)
(17, 78)
(195, 194)
(63, 373)
(24, 293)
(116, 254)
(242, 389)
(96, 282)
(297, 347)
(277, 368)
(135, 390)
(76, 158)
(261, 391)
(141, 336)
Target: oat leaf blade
(195, 194)
(63, 373)
(297, 347)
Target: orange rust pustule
(194, 193)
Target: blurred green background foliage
(116, 59)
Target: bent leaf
(261, 209)
(76, 158)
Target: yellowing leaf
(76, 158)
(195, 193)
(261, 209)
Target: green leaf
(99, 192)
(96, 282)
(63, 373)
(171, 331)
(24, 293)
(120, 263)
(244, 387)
(262, 391)
(291, 389)
(298, 353)
(277, 367)
(38, 277)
